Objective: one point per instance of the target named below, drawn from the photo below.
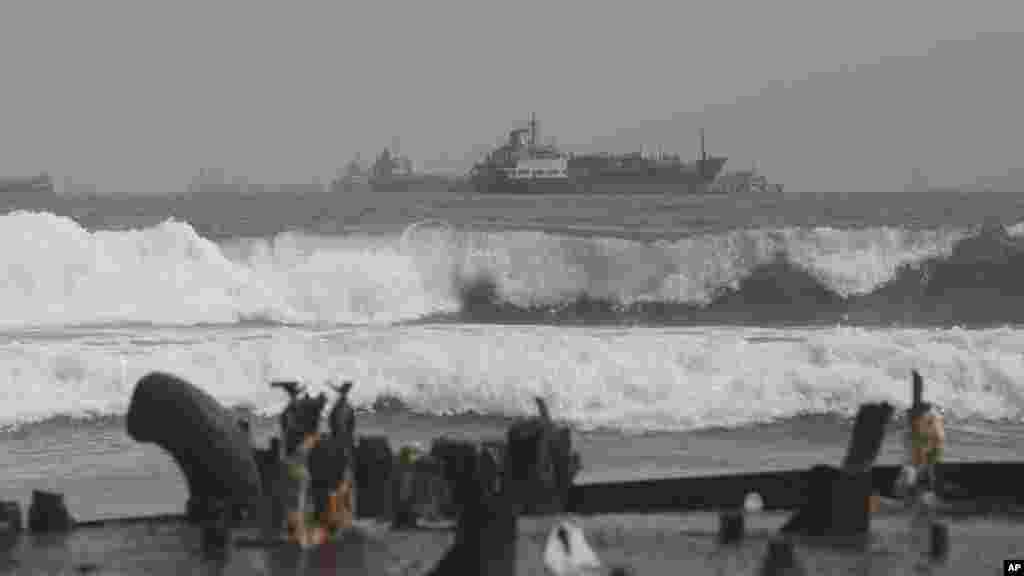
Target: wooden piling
(538, 468)
(48, 513)
(374, 466)
(486, 534)
(837, 500)
(10, 518)
(455, 458)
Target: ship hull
(531, 186)
(600, 189)
(662, 181)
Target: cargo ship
(356, 177)
(523, 166)
(389, 173)
(395, 173)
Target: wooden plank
(996, 482)
(780, 490)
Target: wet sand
(649, 545)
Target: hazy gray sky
(137, 95)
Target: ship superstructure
(523, 166)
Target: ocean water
(676, 335)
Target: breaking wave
(58, 274)
(626, 379)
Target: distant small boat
(389, 173)
(745, 182)
(395, 173)
(37, 184)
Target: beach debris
(10, 518)
(374, 472)
(341, 421)
(215, 532)
(296, 485)
(492, 464)
(486, 533)
(10, 528)
(404, 486)
(341, 506)
(430, 490)
(939, 548)
(245, 427)
(311, 467)
(455, 459)
(540, 464)
(291, 387)
(924, 441)
(753, 503)
(332, 478)
(837, 501)
(203, 437)
(731, 527)
(420, 489)
(732, 522)
(917, 481)
(567, 552)
(48, 513)
(269, 463)
(780, 559)
(332, 466)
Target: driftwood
(332, 463)
(456, 459)
(403, 493)
(374, 466)
(539, 464)
(492, 464)
(836, 499)
(10, 518)
(48, 513)
(487, 486)
(486, 534)
(982, 486)
(341, 421)
(780, 559)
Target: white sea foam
(637, 379)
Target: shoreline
(649, 544)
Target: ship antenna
(533, 130)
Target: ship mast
(703, 156)
(533, 130)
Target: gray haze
(825, 95)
